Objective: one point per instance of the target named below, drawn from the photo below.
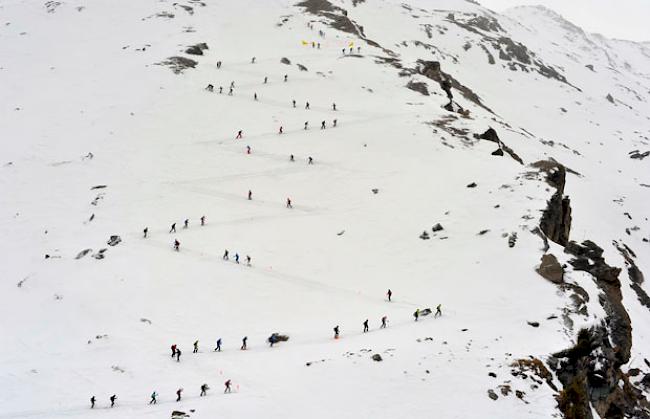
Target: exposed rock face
(589, 258)
(551, 269)
(556, 219)
(432, 70)
(590, 374)
(635, 274)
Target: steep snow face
(108, 128)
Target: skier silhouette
(237, 258)
(248, 260)
(153, 398)
(289, 203)
(218, 348)
(196, 347)
(178, 355)
(145, 231)
(389, 294)
(239, 135)
(306, 105)
(204, 389)
(186, 223)
(310, 160)
(334, 123)
(306, 124)
(243, 343)
(173, 350)
(92, 402)
(336, 332)
(203, 220)
(112, 399)
(322, 125)
(225, 254)
(294, 103)
(220, 89)
(178, 394)
(250, 195)
(333, 106)
(416, 314)
(177, 245)
(365, 326)
(227, 389)
(173, 228)
(255, 96)
(291, 158)
(285, 77)
(438, 311)
(280, 132)
(383, 322)
(266, 79)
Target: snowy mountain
(491, 165)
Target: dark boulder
(551, 269)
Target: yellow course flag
(305, 43)
(351, 44)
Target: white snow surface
(81, 77)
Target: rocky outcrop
(491, 135)
(433, 71)
(634, 273)
(556, 219)
(588, 257)
(590, 374)
(196, 49)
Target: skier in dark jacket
(310, 160)
(289, 203)
(291, 158)
(286, 77)
(322, 125)
(237, 258)
(250, 195)
(306, 125)
(383, 322)
(438, 311)
(336, 332)
(306, 105)
(186, 223)
(178, 394)
(220, 89)
(92, 402)
(225, 254)
(153, 398)
(365, 326)
(248, 260)
(243, 343)
(389, 294)
(177, 245)
(145, 231)
(204, 389)
(178, 355)
(227, 384)
(333, 106)
(173, 350)
(334, 123)
(196, 347)
(203, 220)
(294, 103)
(416, 314)
(112, 399)
(173, 228)
(239, 135)
(218, 348)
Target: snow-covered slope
(107, 128)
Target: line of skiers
(179, 393)
(323, 125)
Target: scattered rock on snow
(533, 324)
(424, 235)
(472, 185)
(492, 394)
(551, 269)
(83, 253)
(196, 49)
(285, 60)
(375, 191)
(114, 240)
(98, 187)
(177, 414)
(437, 227)
(497, 152)
(302, 67)
(512, 239)
(377, 357)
